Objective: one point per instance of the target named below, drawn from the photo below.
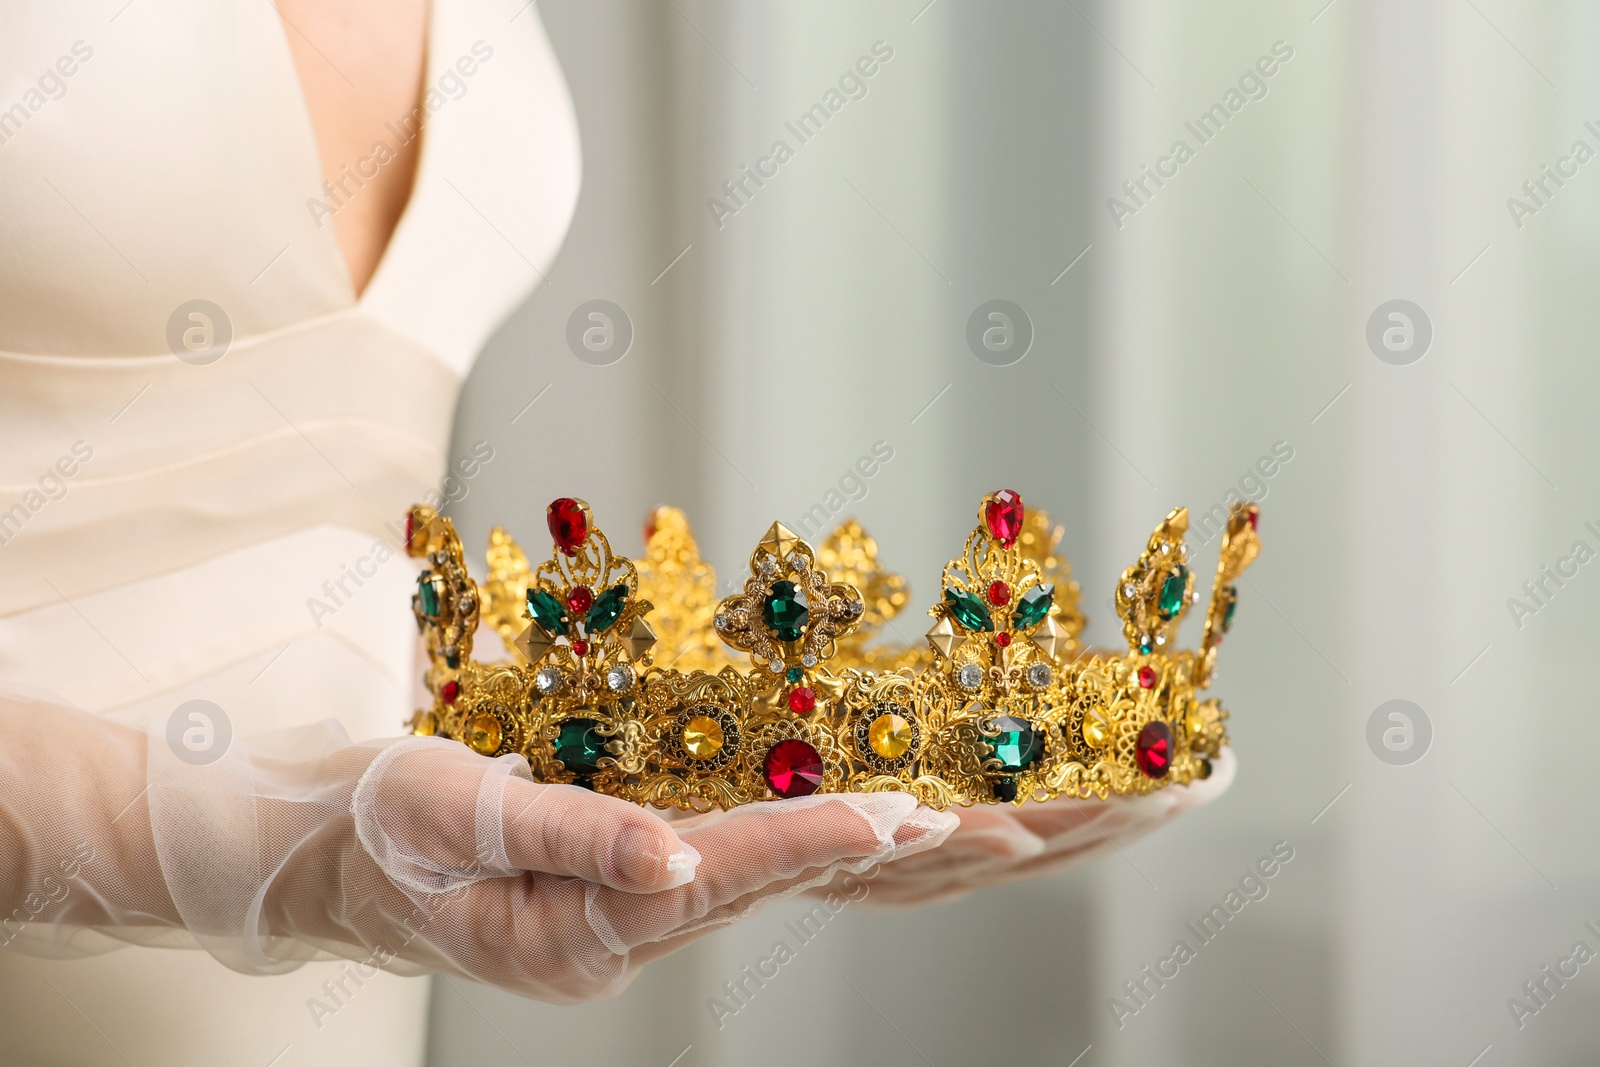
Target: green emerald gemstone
(968, 610)
(547, 612)
(1144, 646)
(1227, 612)
(428, 594)
(795, 674)
(1173, 590)
(1017, 745)
(607, 607)
(786, 611)
(1034, 606)
(579, 746)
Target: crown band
(1003, 705)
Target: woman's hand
(1003, 843)
(413, 855)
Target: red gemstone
(1147, 677)
(580, 600)
(1253, 515)
(999, 593)
(1002, 639)
(802, 699)
(649, 527)
(449, 691)
(793, 769)
(569, 524)
(580, 647)
(411, 529)
(1002, 513)
(1154, 749)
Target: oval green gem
(607, 607)
(579, 746)
(786, 611)
(1017, 744)
(968, 610)
(1170, 600)
(1227, 612)
(1034, 606)
(547, 612)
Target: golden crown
(1003, 704)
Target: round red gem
(793, 769)
(999, 593)
(1002, 513)
(1252, 515)
(580, 600)
(449, 691)
(1154, 749)
(1147, 677)
(569, 524)
(802, 699)
(1002, 639)
(580, 647)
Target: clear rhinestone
(437, 559)
(1130, 590)
(855, 607)
(808, 660)
(722, 622)
(619, 678)
(1161, 639)
(548, 680)
(466, 605)
(970, 676)
(768, 568)
(1040, 675)
(797, 561)
(775, 666)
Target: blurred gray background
(1176, 340)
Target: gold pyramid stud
(534, 643)
(780, 540)
(1051, 637)
(944, 638)
(640, 640)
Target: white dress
(174, 528)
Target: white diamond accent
(775, 666)
(548, 680)
(1040, 675)
(722, 622)
(970, 676)
(1130, 590)
(619, 678)
(808, 660)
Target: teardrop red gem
(1002, 513)
(569, 524)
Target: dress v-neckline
(358, 299)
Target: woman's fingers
(577, 833)
(754, 853)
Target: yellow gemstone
(484, 734)
(890, 735)
(1096, 731)
(702, 736)
(424, 724)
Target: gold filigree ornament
(1001, 704)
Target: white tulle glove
(1002, 843)
(414, 855)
